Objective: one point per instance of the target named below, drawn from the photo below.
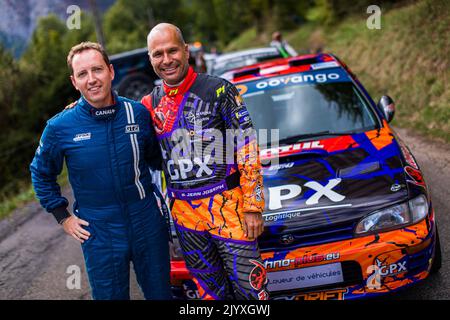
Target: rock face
(19, 18)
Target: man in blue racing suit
(109, 145)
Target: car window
(306, 103)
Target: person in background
(283, 47)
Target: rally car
(348, 214)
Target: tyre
(135, 86)
(437, 259)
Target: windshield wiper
(304, 136)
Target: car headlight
(393, 217)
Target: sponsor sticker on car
(305, 277)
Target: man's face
(92, 77)
(168, 56)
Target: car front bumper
(370, 266)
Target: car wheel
(437, 259)
(135, 86)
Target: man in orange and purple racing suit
(212, 170)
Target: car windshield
(308, 105)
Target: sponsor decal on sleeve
(243, 116)
(258, 192)
(220, 91)
(82, 136)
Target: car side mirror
(387, 105)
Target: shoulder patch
(220, 91)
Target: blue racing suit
(108, 153)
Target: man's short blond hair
(86, 46)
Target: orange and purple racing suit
(212, 170)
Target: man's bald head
(168, 53)
(165, 28)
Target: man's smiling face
(92, 77)
(168, 55)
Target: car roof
(243, 53)
(281, 66)
(228, 61)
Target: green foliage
(25, 193)
(15, 140)
(414, 67)
(247, 39)
(204, 28)
(127, 23)
(32, 90)
(408, 59)
(322, 12)
(219, 22)
(9, 204)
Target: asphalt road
(39, 261)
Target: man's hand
(73, 227)
(253, 225)
(70, 106)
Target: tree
(40, 81)
(127, 22)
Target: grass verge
(9, 203)
(407, 59)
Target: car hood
(331, 181)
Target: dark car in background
(134, 75)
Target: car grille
(277, 239)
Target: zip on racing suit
(196, 123)
(108, 152)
